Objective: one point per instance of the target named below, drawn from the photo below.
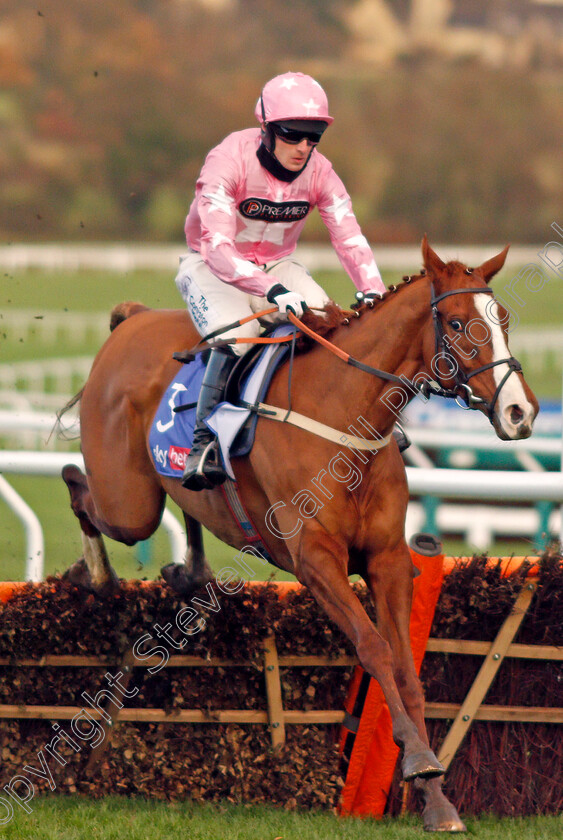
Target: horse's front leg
(322, 566)
(389, 577)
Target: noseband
(468, 398)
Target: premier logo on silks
(265, 210)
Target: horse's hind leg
(100, 577)
(185, 578)
(93, 571)
(389, 577)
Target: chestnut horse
(442, 325)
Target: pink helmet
(292, 96)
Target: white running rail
(456, 484)
(52, 327)
(51, 464)
(34, 542)
(128, 256)
(61, 376)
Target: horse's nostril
(516, 414)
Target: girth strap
(316, 428)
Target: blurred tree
(108, 110)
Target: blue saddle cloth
(171, 434)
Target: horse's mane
(335, 316)
(326, 322)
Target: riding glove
(287, 301)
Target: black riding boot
(203, 469)
(401, 437)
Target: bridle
(468, 399)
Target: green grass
(113, 818)
(98, 291)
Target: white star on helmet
(311, 106)
(289, 83)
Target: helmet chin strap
(266, 132)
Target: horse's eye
(456, 325)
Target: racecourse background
(132, 256)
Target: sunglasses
(293, 136)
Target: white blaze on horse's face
(514, 414)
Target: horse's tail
(124, 310)
(118, 314)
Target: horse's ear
(432, 262)
(494, 265)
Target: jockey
(252, 198)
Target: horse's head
(467, 349)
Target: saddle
(171, 433)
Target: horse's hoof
(108, 588)
(79, 575)
(423, 764)
(179, 579)
(443, 818)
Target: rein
(189, 355)
(426, 388)
(382, 374)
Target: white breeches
(213, 304)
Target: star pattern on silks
(219, 239)
(340, 207)
(219, 200)
(244, 268)
(370, 270)
(357, 241)
(275, 233)
(253, 231)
